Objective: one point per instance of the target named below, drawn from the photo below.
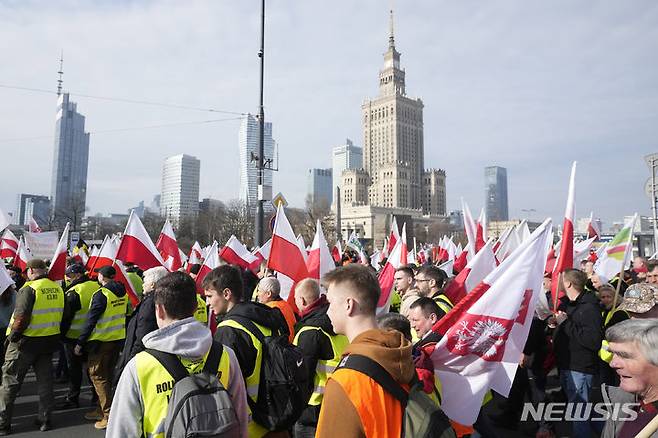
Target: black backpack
(199, 405)
(421, 417)
(284, 380)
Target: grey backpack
(199, 405)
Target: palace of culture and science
(393, 180)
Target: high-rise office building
(320, 186)
(249, 148)
(180, 188)
(344, 157)
(37, 206)
(495, 193)
(68, 192)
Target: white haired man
(634, 345)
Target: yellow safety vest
(201, 312)
(156, 384)
(324, 368)
(111, 326)
(254, 429)
(443, 302)
(85, 291)
(47, 309)
(604, 352)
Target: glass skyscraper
(180, 188)
(248, 150)
(68, 190)
(495, 193)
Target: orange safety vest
(288, 314)
(379, 411)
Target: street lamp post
(258, 235)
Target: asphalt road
(66, 424)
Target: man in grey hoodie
(181, 334)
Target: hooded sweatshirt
(339, 416)
(185, 338)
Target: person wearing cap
(33, 336)
(641, 301)
(101, 338)
(76, 307)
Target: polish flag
(22, 255)
(481, 230)
(581, 251)
(263, 252)
(594, 227)
(319, 258)
(235, 253)
(394, 236)
(375, 260)
(122, 278)
(137, 247)
(210, 263)
(195, 256)
(337, 252)
(502, 238)
(396, 259)
(302, 246)
(4, 220)
(523, 231)
(106, 255)
(32, 225)
(57, 267)
(285, 254)
(93, 255)
(461, 261)
(448, 267)
(404, 251)
(168, 247)
(470, 228)
(475, 271)
(5, 279)
(507, 244)
(8, 244)
(565, 258)
(483, 336)
(384, 251)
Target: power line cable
(105, 131)
(120, 99)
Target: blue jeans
(577, 385)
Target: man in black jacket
(224, 292)
(321, 346)
(577, 340)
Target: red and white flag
(393, 237)
(502, 238)
(210, 263)
(235, 253)
(483, 336)
(475, 271)
(168, 247)
(32, 225)
(8, 245)
(285, 255)
(470, 228)
(22, 255)
(137, 247)
(593, 227)
(565, 258)
(194, 257)
(481, 230)
(122, 277)
(57, 267)
(396, 260)
(523, 231)
(337, 252)
(5, 279)
(507, 243)
(581, 251)
(106, 255)
(4, 220)
(302, 246)
(404, 249)
(319, 260)
(263, 252)
(93, 255)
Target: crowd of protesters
(598, 343)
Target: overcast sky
(530, 86)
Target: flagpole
(623, 265)
(649, 429)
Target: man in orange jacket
(269, 289)
(354, 405)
